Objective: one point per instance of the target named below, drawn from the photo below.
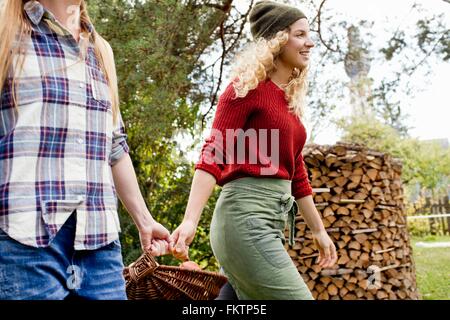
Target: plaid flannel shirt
(58, 141)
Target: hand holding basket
(146, 279)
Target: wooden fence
(436, 213)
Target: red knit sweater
(263, 108)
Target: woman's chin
(302, 63)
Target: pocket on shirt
(53, 89)
(100, 88)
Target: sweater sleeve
(231, 113)
(300, 183)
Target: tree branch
(223, 56)
(319, 13)
(225, 7)
(443, 36)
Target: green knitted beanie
(269, 17)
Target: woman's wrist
(143, 219)
(191, 219)
(192, 216)
(318, 230)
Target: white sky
(429, 110)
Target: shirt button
(80, 141)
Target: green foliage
(423, 162)
(434, 36)
(433, 167)
(396, 44)
(157, 47)
(418, 227)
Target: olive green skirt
(247, 238)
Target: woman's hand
(181, 238)
(150, 232)
(202, 186)
(128, 191)
(159, 248)
(327, 250)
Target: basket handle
(146, 264)
(172, 254)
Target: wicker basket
(147, 280)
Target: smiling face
(295, 53)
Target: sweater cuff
(216, 172)
(301, 189)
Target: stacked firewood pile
(360, 197)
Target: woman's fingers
(322, 260)
(173, 239)
(328, 255)
(154, 250)
(180, 239)
(164, 246)
(159, 247)
(324, 256)
(321, 256)
(331, 258)
(327, 252)
(182, 253)
(333, 254)
(181, 243)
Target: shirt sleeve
(300, 183)
(119, 141)
(232, 113)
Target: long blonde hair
(255, 64)
(14, 25)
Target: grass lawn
(432, 268)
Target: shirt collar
(36, 13)
(34, 10)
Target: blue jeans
(58, 271)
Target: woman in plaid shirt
(63, 157)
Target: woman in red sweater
(255, 152)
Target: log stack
(360, 197)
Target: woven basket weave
(148, 280)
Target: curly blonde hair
(255, 64)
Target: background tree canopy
(158, 49)
(172, 58)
